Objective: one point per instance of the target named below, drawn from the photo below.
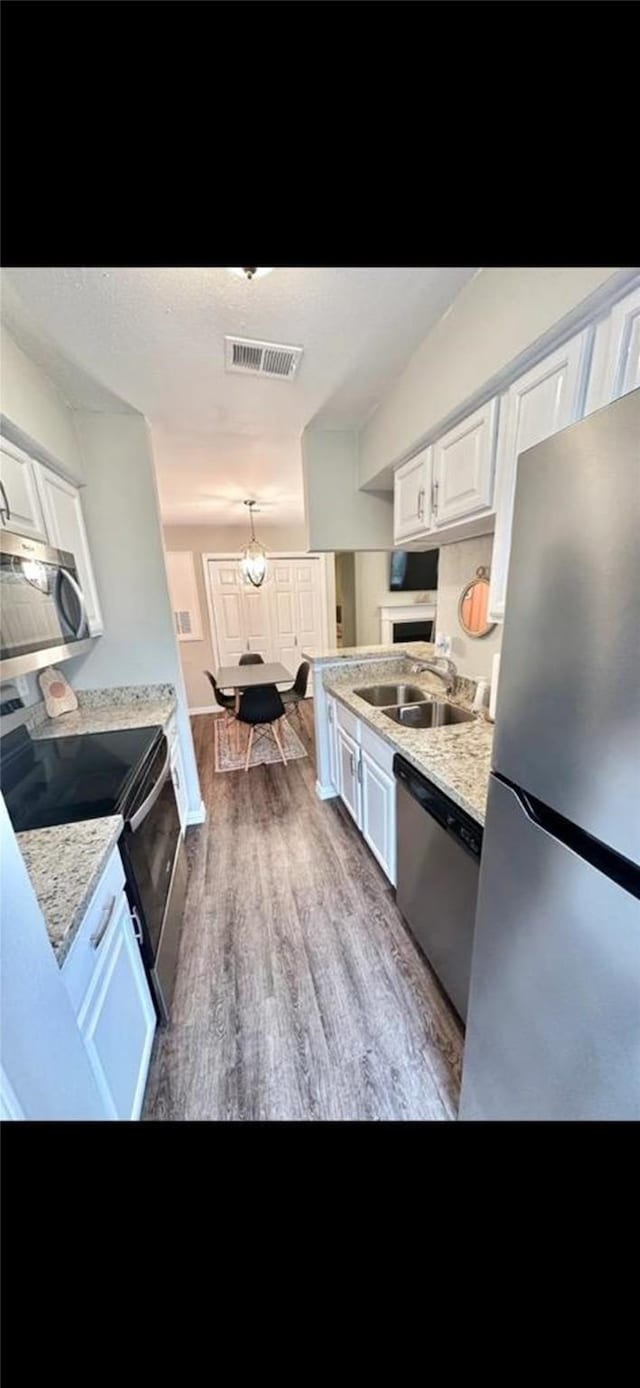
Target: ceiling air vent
(273, 359)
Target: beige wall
(495, 318)
(346, 595)
(34, 412)
(373, 592)
(121, 513)
(198, 656)
(338, 515)
(456, 566)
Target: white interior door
(228, 612)
(284, 613)
(257, 626)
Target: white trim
(409, 612)
(206, 708)
(10, 1106)
(322, 557)
(325, 792)
(197, 816)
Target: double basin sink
(411, 707)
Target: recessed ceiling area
(154, 339)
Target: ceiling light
(251, 273)
(253, 560)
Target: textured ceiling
(153, 339)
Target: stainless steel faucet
(440, 665)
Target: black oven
(155, 865)
(43, 617)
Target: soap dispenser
(480, 695)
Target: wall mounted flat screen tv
(412, 571)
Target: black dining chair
(292, 698)
(251, 658)
(226, 701)
(261, 706)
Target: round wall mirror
(473, 605)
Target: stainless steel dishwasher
(438, 848)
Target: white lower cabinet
(379, 813)
(348, 783)
(331, 739)
(367, 786)
(106, 981)
(118, 1021)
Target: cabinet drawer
(347, 720)
(84, 955)
(379, 750)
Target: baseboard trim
(206, 708)
(325, 792)
(197, 816)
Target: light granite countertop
(420, 650)
(457, 759)
(108, 710)
(65, 863)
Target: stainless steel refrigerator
(553, 1027)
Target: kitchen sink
(383, 695)
(434, 714)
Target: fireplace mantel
(409, 612)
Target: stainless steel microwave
(43, 616)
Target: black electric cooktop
(61, 779)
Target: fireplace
(411, 621)
(412, 631)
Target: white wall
(198, 656)
(34, 412)
(120, 507)
(495, 318)
(456, 567)
(43, 1055)
(373, 592)
(338, 515)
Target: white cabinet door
(179, 782)
(349, 785)
(64, 521)
(412, 497)
(463, 466)
(378, 813)
(118, 1022)
(616, 357)
(20, 508)
(331, 738)
(538, 404)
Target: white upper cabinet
(20, 508)
(412, 496)
(463, 467)
(64, 521)
(546, 399)
(616, 353)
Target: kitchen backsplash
(457, 566)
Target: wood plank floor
(300, 993)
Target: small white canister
(493, 696)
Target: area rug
(230, 743)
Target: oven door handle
(148, 804)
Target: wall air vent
(273, 359)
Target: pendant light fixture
(253, 561)
(252, 272)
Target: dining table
(239, 677)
